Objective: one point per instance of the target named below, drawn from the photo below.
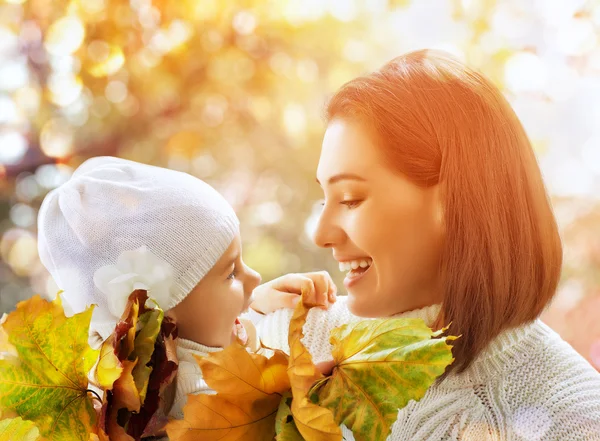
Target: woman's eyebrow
(343, 177)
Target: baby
(118, 225)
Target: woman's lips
(353, 277)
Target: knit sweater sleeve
(273, 328)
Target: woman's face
(208, 314)
(379, 223)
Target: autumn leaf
(160, 393)
(122, 396)
(285, 427)
(237, 372)
(7, 351)
(249, 388)
(314, 422)
(49, 384)
(109, 367)
(17, 429)
(380, 366)
(143, 348)
(140, 360)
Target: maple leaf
(314, 422)
(49, 385)
(18, 429)
(249, 389)
(380, 365)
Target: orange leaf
(123, 396)
(315, 423)
(236, 371)
(212, 418)
(249, 389)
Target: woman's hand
(284, 292)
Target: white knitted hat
(130, 225)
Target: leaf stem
(95, 394)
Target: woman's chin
(360, 305)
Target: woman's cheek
(367, 232)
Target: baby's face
(207, 315)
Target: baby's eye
(232, 275)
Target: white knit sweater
(527, 385)
(189, 374)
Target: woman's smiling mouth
(355, 269)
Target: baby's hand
(284, 292)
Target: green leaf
(289, 432)
(49, 384)
(143, 349)
(18, 430)
(380, 366)
(285, 427)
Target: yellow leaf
(315, 423)
(109, 367)
(18, 430)
(49, 385)
(7, 350)
(249, 389)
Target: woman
(435, 206)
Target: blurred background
(233, 92)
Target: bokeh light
(13, 147)
(64, 36)
(56, 138)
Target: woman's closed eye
(350, 203)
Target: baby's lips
(240, 332)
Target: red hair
(439, 122)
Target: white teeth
(355, 264)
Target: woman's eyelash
(350, 203)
